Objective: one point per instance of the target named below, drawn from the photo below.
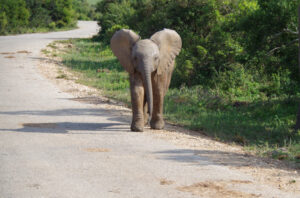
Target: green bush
(3, 21)
(60, 24)
(111, 14)
(20, 15)
(241, 47)
(14, 15)
(52, 25)
(84, 11)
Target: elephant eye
(156, 58)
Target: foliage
(14, 14)
(112, 14)
(93, 2)
(229, 45)
(104, 73)
(84, 10)
(18, 15)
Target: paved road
(52, 146)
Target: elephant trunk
(148, 89)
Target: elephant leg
(137, 101)
(158, 83)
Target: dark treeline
(242, 48)
(18, 16)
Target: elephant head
(146, 56)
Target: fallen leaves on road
(6, 53)
(214, 190)
(164, 181)
(241, 181)
(40, 125)
(90, 100)
(9, 57)
(23, 52)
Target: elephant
(150, 64)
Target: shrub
(3, 22)
(112, 14)
(60, 24)
(242, 47)
(52, 25)
(18, 15)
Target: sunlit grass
(100, 68)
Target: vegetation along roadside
(262, 125)
(27, 16)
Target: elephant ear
(121, 44)
(169, 44)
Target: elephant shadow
(113, 122)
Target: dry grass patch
(40, 125)
(9, 57)
(164, 181)
(23, 52)
(214, 190)
(6, 53)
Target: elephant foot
(157, 124)
(137, 126)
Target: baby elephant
(150, 63)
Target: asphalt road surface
(53, 146)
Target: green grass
(100, 68)
(260, 125)
(263, 125)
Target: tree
(15, 15)
(18, 15)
